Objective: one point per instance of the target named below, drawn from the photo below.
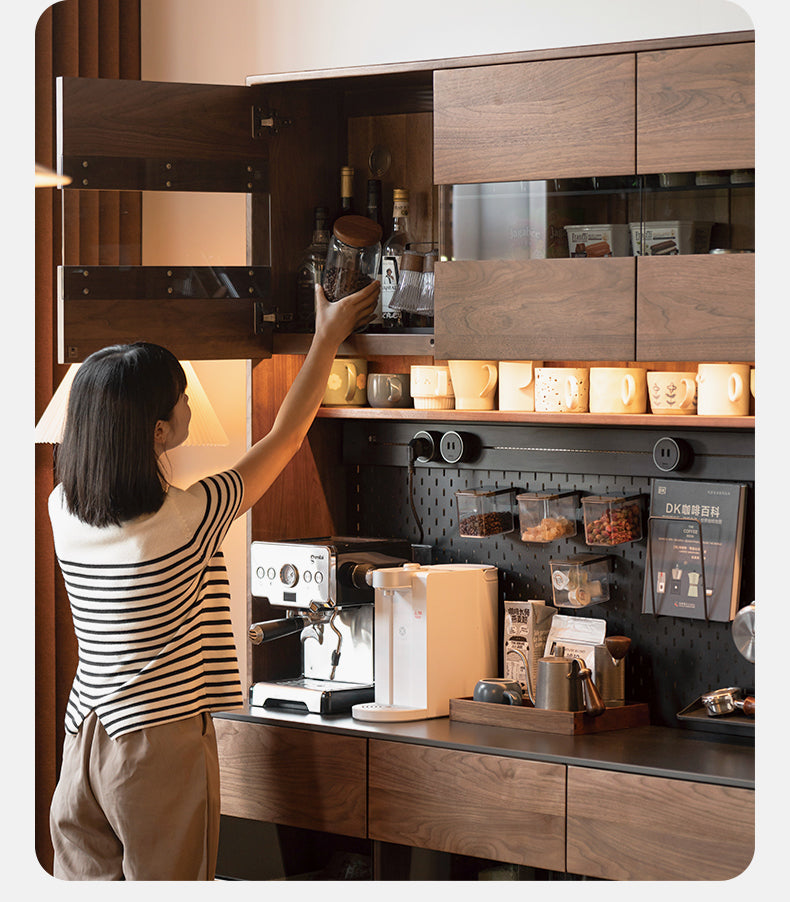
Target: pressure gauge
(289, 575)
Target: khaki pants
(144, 806)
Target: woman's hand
(336, 320)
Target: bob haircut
(106, 462)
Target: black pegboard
(672, 660)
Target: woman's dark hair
(106, 460)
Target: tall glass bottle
(346, 206)
(374, 201)
(311, 268)
(391, 254)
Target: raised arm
(267, 458)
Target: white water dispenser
(435, 636)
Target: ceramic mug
(723, 389)
(517, 384)
(562, 389)
(618, 389)
(672, 393)
(432, 387)
(347, 382)
(502, 692)
(389, 390)
(474, 383)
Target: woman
(138, 794)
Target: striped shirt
(150, 605)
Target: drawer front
(698, 307)
(295, 777)
(632, 827)
(486, 806)
(581, 309)
(537, 120)
(695, 109)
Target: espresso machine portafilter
(322, 587)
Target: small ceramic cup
(474, 383)
(347, 383)
(562, 389)
(723, 389)
(617, 389)
(432, 387)
(496, 691)
(672, 393)
(517, 384)
(389, 390)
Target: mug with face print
(723, 389)
(432, 387)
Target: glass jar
(547, 516)
(580, 580)
(484, 512)
(612, 519)
(353, 256)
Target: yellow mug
(347, 383)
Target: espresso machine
(321, 585)
(436, 636)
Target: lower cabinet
(633, 827)
(487, 806)
(300, 778)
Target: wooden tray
(540, 720)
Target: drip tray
(310, 695)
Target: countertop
(669, 752)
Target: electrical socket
(425, 446)
(672, 454)
(459, 446)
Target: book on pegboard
(695, 549)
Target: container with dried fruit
(484, 511)
(547, 516)
(612, 519)
(353, 256)
(580, 580)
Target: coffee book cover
(695, 549)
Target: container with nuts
(612, 519)
(484, 511)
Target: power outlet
(672, 454)
(425, 446)
(456, 447)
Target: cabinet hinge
(266, 121)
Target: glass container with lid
(547, 516)
(484, 511)
(353, 256)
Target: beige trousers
(143, 806)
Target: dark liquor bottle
(311, 269)
(374, 201)
(346, 206)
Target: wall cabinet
(625, 111)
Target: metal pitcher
(564, 684)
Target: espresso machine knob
(354, 574)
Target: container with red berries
(612, 519)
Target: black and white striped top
(150, 604)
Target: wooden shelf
(534, 418)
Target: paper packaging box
(527, 625)
(579, 636)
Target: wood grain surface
(634, 827)
(471, 804)
(296, 777)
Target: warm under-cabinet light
(204, 427)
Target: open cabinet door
(126, 137)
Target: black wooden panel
(158, 282)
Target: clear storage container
(484, 511)
(353, 256)
(612, 519)
(547, 516)
(580, 580)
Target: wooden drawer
(632, 827)
(295, 777)
(581, 309)
(698, 307)
(535, 120)
(695, 109)
(486, 806)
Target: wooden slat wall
(97, 38)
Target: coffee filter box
(527, 625)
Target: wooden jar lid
(411, 261)
(358, 231)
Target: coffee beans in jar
(353, 256)
(484, 511)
